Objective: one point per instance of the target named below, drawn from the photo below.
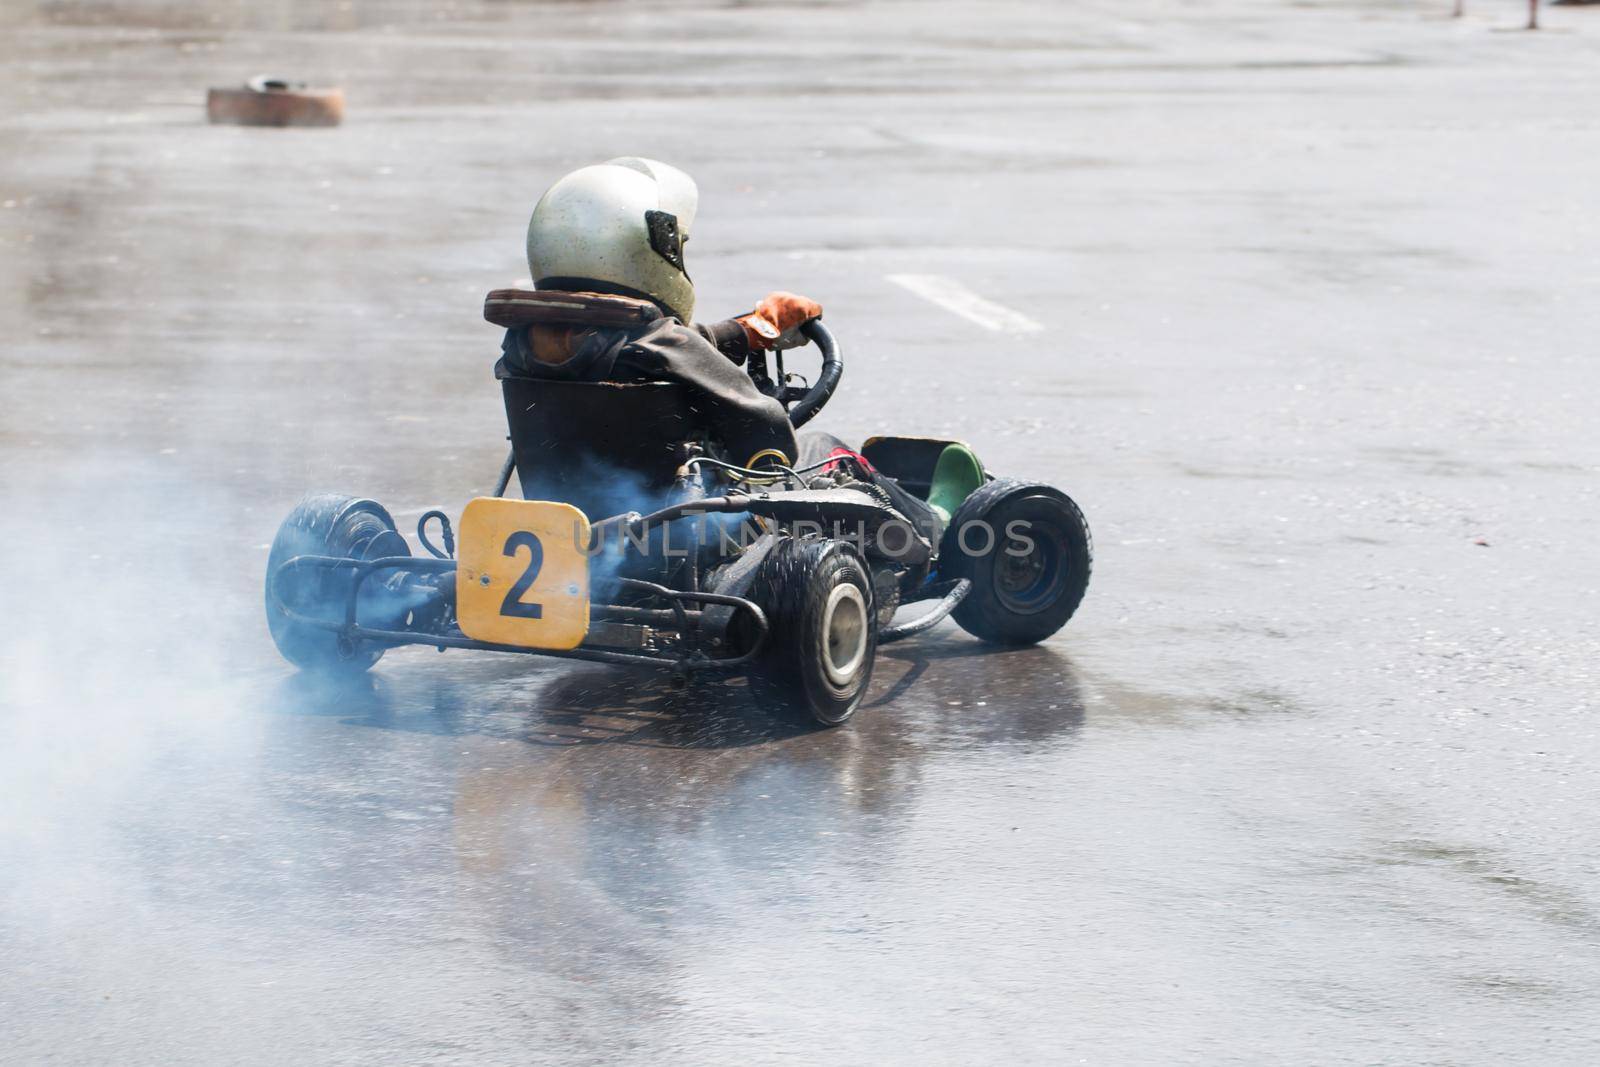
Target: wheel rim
(844, 634)
(1029, 583)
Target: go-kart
(639, 542)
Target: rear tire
(326, 525)
(817, 596)
(1029, 579)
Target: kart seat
(604, 447)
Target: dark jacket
(704, 358)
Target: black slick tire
(1026, 548)
(818, 660)
(328, 524)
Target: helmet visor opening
(665, 238)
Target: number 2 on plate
(513, 605)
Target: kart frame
(684, 612)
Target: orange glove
(776, 321)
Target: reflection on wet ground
(585, 721)
(569, 706)
(593, 825)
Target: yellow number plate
(522, 574)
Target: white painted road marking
(955, 297)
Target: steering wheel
(802, 402)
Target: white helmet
(617, 227)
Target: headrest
(525, 307)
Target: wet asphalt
(1310, 778)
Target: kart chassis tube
(951, 594)
(685, 619)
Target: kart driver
(615, 303)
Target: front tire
(818, 662)
(1027, 550)
(325, 525)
